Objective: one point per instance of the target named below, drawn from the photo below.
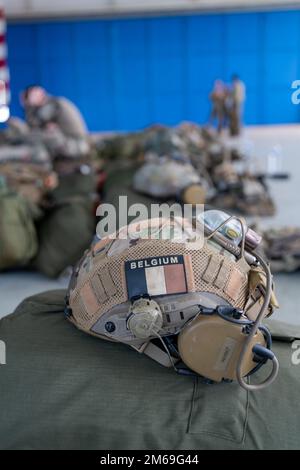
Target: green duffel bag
(64, 233)
(18, 238)
(63, 389)
(74, 184)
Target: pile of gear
(47, 186)
(160, 155)
(282, 248)
(192, 164)
(51, 182)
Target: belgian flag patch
(156, 276)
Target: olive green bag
(18, 238)
(64, 233)
(68, 225)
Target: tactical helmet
(187, 295)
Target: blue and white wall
(128, 73)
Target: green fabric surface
(67, 228)
(119, 183)
(63, 389)
(18, 237)
(64, 234)
(75, 184)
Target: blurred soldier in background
(57, 122)
(236, 105)
(54, 137)
(68, 225)
(54, 126)
(218, 98)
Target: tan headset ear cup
(211, 347)
(194, 194)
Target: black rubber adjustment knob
(110, 327)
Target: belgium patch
(161, 275)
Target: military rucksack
(64, 233)
(18, 239)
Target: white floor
(16, 286)
(259, 141)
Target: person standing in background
(236, 105)
(218, 97)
